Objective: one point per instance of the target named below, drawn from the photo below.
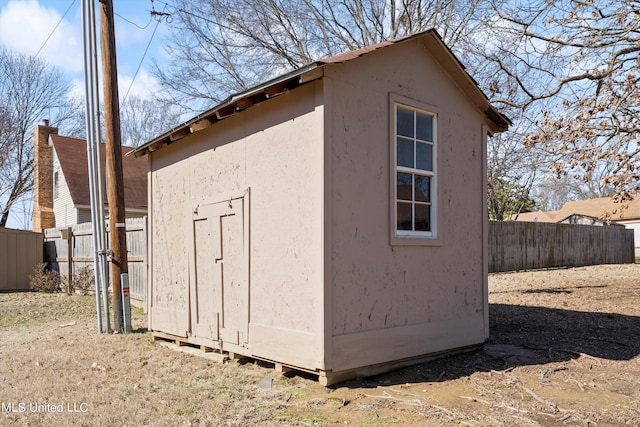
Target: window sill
(408, 240)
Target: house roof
(431, 40)
(537, 216)
(72, 156)
(601, 208)
(587, 220)
(604, 207)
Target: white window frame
(56, 185)
(413, 237)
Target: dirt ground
(564, 351)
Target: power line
(133, 23)
(145, 50)
(55, 28)
(178, 9)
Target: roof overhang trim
(497, 122)
(233, 105)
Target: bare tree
(512, 172)
(29, 92)
(224, 46)
(575, 67)
(567, 68)
(143, 119)
(221, 47)
(70, 116)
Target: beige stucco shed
(332, 220)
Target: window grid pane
(424, 156)
(405, 122)
(414, 163)
(422, 188)
(404, 186)
(422, 217)
(424, 126)
(405, 152)
(404, 215)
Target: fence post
(66, 235)
(70, 256)
(145, 256)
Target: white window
(56, 184)
(415, 172)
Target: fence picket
(517, 245)
(56, 253)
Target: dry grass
(564, 350)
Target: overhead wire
(133, 23)
(186, 12)
(55, 28)
(152, 14)
(162, 15)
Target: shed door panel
(220, 291)
(208, 275)
(234, 290)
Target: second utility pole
(115, 184)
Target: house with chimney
(61, 180)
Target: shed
(332, 220)
(20, 253)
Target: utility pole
(115, 184)
(92, 107)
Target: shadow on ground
(522, 335)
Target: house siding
(415, 299)
(84, 215)
(331, 290)
(633, 224)
(64, 211)
(275, 150)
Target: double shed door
(219, 290)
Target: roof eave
(433, 42)
(233, 105)
(497, 121)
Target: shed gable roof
(431, 40)
(72, 156)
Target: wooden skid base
(325, 378)
(328, 378)
(180, 344)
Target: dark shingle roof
(72, 155)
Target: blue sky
(25, 26)
(52, 29)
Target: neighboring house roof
(537, 216)
(431, 40)
(72, 156)
(587, 220)
(604, 207)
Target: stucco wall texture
(330, 289)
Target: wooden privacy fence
(517, 245)
(71, 249)
(20, 252)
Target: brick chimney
(42, 216)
